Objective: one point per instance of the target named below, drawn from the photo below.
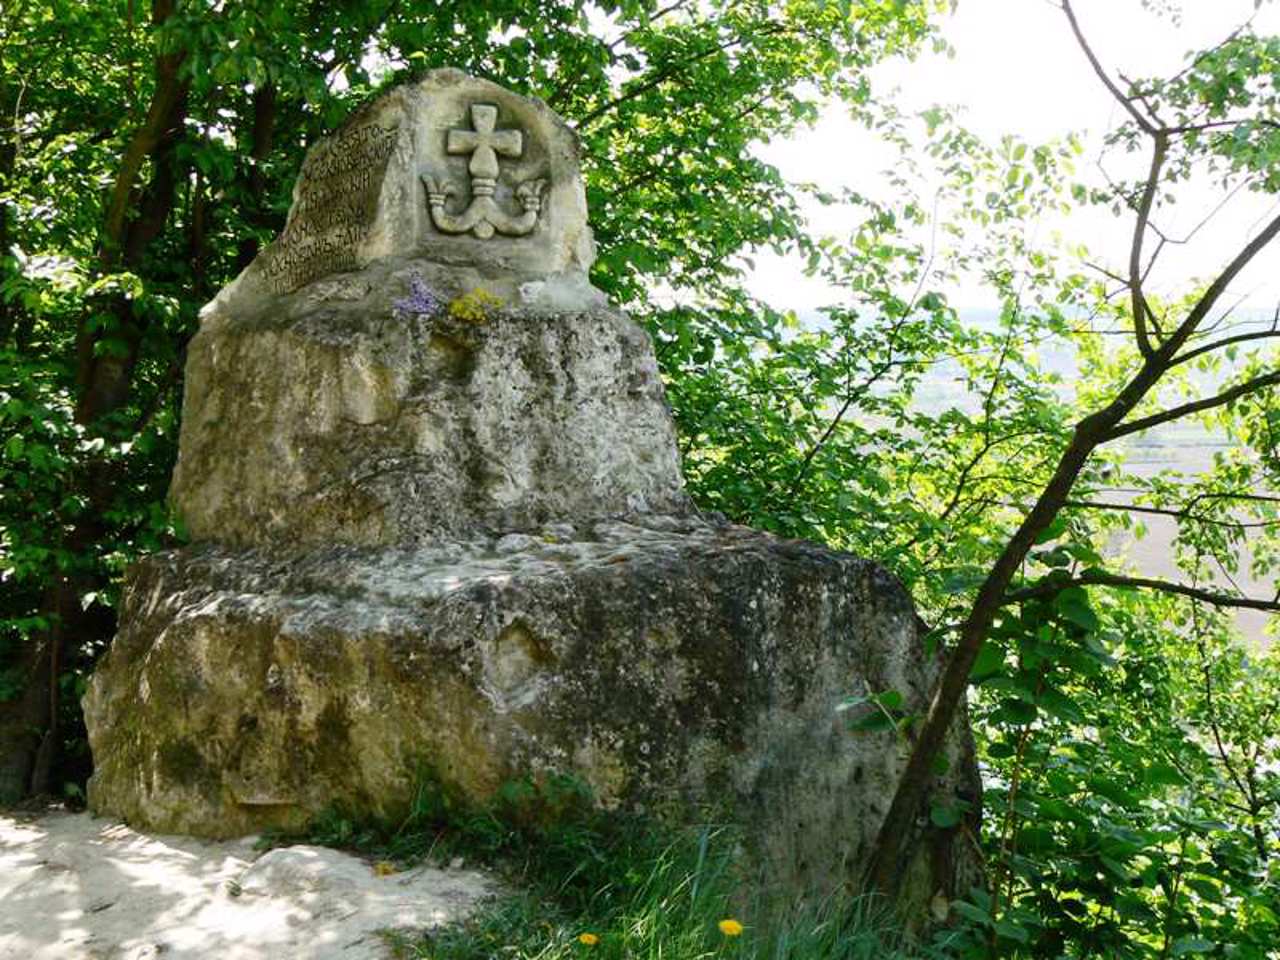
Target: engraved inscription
(335, 207)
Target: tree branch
(1184, 514)
(1136, 273)
(1211, 709)
(881, 369)
(166, 109)
(1099, 578)
(1141, 97)
(1274, 331)
(1219, 286)
(663, 75)
(899, 830)
(652, 19)
(1175, 413)
(1124, 101)
(1218, 124)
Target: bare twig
(1273, 331)
(881, 369)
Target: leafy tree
(1124, 818)
(1207, 117)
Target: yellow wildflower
(730, 927)
(588, 939)
(474, 306)
(384, 868)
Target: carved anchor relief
(483, 216)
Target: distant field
(1187, 450)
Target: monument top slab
(450, 169)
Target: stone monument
(438, 520)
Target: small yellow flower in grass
(730, 928)
(384, 868)
(588, 939)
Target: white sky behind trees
(1017, 70)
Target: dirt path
(77, 888)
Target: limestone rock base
(689, 670)
(327, 417)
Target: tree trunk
(263, 134)
(24, 720)
(898, 833)
(28, 725)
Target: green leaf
(989, 660)
(1001, 749)
(1187, 945)
(1060, 705)
(945, 815)
(873, 722)
(1035, 840)
(1163, 774)
(889, 699)
(1208, 889)
(1053, 809)
(1053, 531)
(1073, 605)
(962, 581)
(1115, 868)
(1011, 931)
(1014, 711)
(972, 912)
(1106, 787)
(1057, 558)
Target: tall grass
(667, 908)
(583, 884)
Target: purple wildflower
(421, 301)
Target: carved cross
(484, 143)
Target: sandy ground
(74, 887)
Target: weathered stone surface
(450, 168)
(337, 418)
(420, 353)
(690, 670)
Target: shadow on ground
(75, 886)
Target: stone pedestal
(439, 522)
(334, 417)
(691, 671)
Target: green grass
(666, 920)
(667, 906)
(642, 891)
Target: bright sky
(1018, 70)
